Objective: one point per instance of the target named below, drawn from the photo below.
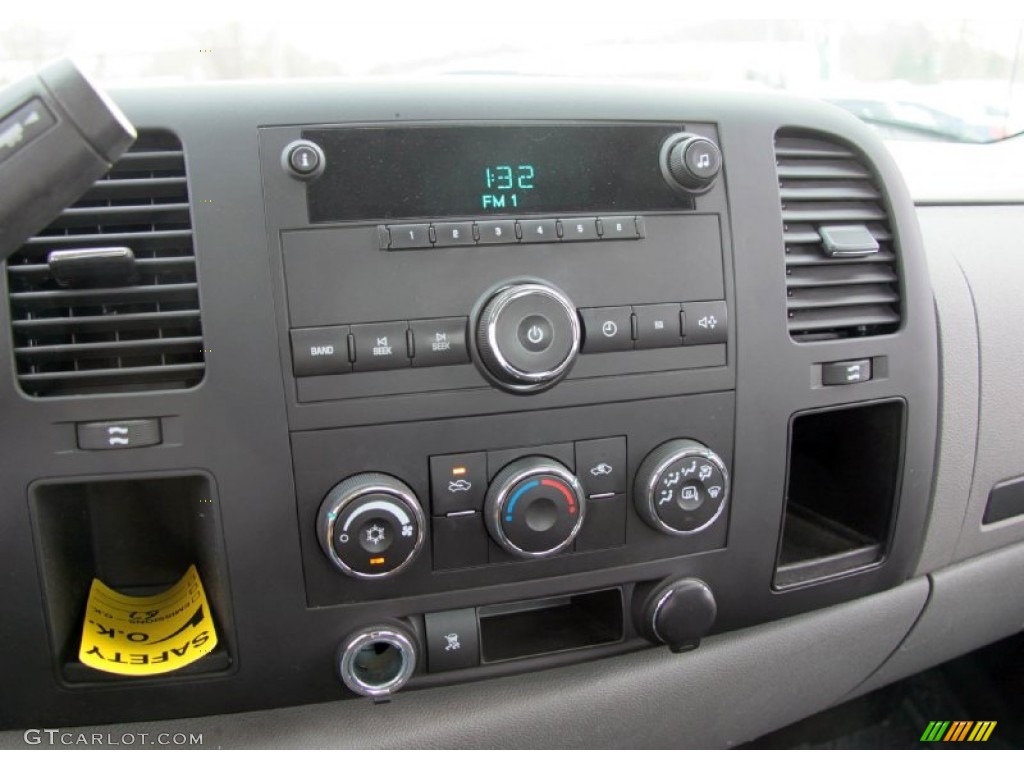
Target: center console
(555, 378)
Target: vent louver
(823, 183)
(140, 336)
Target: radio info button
(380, 346)
(320, 351)
(439, 342)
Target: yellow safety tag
(147, 635)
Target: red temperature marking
(569, 499)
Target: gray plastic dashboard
(776, 656)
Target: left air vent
(87, 330)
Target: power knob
(371, 526)
(681, 487)
(690, 163)
(527, 337)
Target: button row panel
(379, 346)
(453, 234)
(654, 326)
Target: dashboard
(472, 395)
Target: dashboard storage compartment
(550, 625)
(840, 502)
(136, 535)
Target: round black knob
(371, 526)
(534, 507)
(677, 612)
(303, 159)
(690, 163)
(681, 487)
(528, 336)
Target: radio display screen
(423, 172)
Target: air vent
(826, 188)
(138, 332)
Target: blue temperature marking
(517, 494)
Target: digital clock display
(423, 172)
(506, 178)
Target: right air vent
(842, 278)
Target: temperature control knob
(371, 526)
(681, 488)
(528, 335)
(535, 507)
(690, 163)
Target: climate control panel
(503, 513)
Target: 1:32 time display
(504, 184)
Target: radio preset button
(439, 342)
(658, 325)
(409, 236)
(579, 229)
(618, 228)
(380, 346)
(497, 232)
(320, 351)
(538, 231)
(450, 234)
(607, 329)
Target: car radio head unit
(379, 173)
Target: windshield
(950, 79)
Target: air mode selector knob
(527, 336)
(681, 487)
(534, 507)
(371, 526)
